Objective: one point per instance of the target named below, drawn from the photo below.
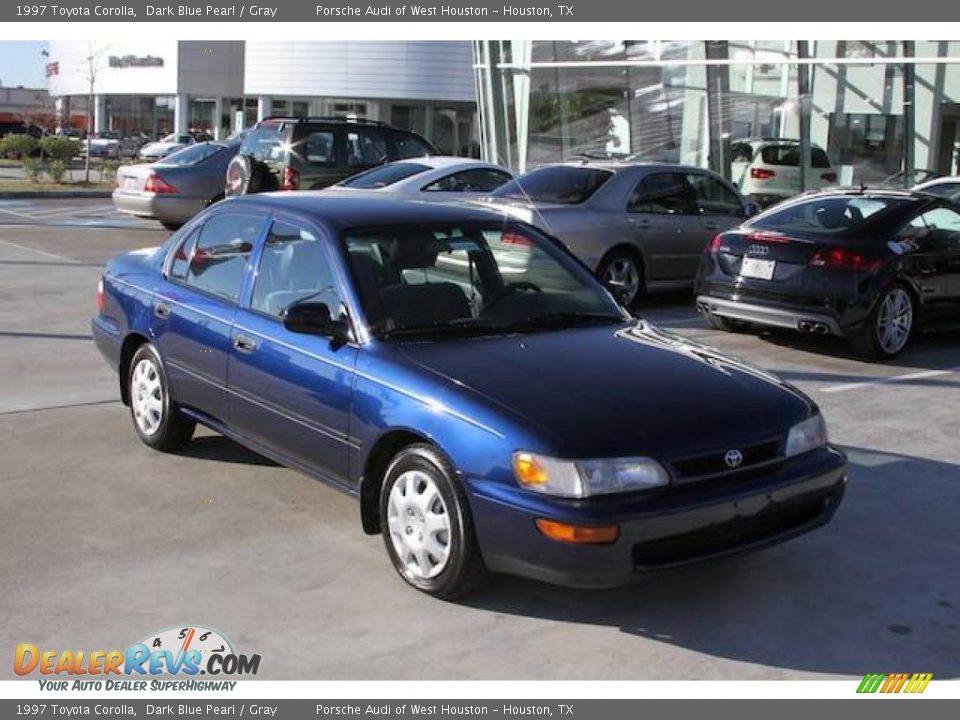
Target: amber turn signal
(581, 534)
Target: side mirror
(750, 209)
(313, 318)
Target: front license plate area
(756, 268)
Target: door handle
(644, 223)
(161, 310)
(244, 343)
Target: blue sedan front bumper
(696, 521)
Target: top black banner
(474, 11)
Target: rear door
(193, 308)
(320, 155)
(291, 391)
(720, 207)
(663, 213)
(932, 241)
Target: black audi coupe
(869, 265)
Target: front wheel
(426, 525)
(156, 417)
(888, 328)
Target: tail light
(99, 299)
(714, 245)
(841, 258)
(158, 185)
(829, 177)
(761, 173)
(289, 179)
(510, 238)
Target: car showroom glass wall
(880, 110)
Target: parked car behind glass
(177, 187)
(767, 170)
(166, 145)
(869, 265)
(469, 382)
(639, 226)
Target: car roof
(615, 166)
(349, 211)
(948, 180)
(444, 161)
(865, 191)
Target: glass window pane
(219, 260)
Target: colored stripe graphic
(894, 683)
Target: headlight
(807, 435)
(583, 478)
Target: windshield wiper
(566, 319)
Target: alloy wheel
(623, 272)
(146, 396)
(419, 524)
(894, 321)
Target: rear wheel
(156, 418)
(888, 329)
(426, 525)
(622, 272)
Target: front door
(719, 206)
(289, 391)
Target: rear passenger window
(294, 267)
(713, 196)
(663, 193)
(366, 146)
(478, 180)
(410, 146)
(219, 258)
(265, 142)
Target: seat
(424, 304)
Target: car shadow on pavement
(222, 449)
(930, 349)
(876, 590)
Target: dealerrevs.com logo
(178, 651)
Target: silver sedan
(436, 176)
(639, 226)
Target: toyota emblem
(733, 458)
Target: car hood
(616, 391)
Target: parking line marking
(41, 252)
(922, 375)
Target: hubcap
(623, 273)
(894, 321)
(419, 524)
(146, 396)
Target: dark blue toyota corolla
(462, 374)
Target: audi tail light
(843, 258)
(99, 297)
(714, 245)
(762, 173)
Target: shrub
(19, 145)
(56, 169)
(33, 168)
(60, 148)
(108, 169)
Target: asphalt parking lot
(106, 541)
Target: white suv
(767, 170)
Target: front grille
(715, 463)
(734, 535)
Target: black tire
(171, 226)
(867, 340)
(463, 570)
(173, 430)
(719, 322)
(616, 262)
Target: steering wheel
(509, 289)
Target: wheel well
(378, 460)
(130, 345)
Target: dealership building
(154, 87)
(877, 108)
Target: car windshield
(558, 184)
(193, 154)
(830, 214)
(384, 175)
(471, 279)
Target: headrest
(832, 215)
(411, 253)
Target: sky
(22, 64)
